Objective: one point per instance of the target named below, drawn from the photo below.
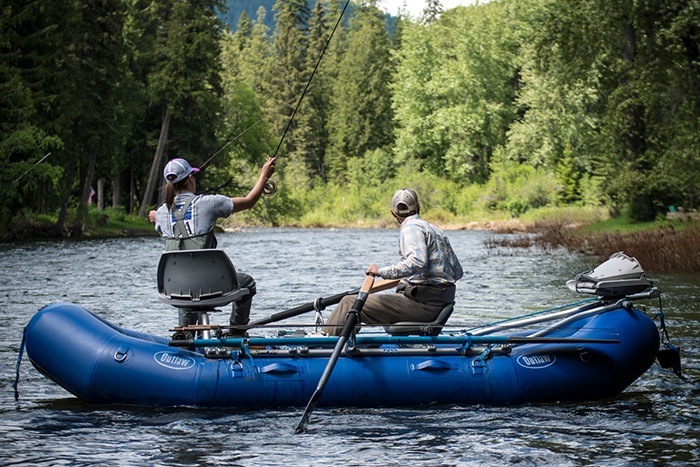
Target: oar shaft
(322, 303)
(350, 323)
(301, 309)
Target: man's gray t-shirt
(201, 215)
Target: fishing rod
(226, 145)
(25, 173)
(219, 151)
(270, 186)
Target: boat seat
(198, 279)
(412, 328)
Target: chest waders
(181, 240)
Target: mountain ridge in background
(236, 7)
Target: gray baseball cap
(180, 168)
(404, 202)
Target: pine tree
(312, 134)
(244, 131)
(91, 65)
(254, 59)
(185, 82)
(287, 74)
(28, 177)
(361, 117)
(432, 11)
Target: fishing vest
(181, 239)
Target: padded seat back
(412, 328)
(197, 279)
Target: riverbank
(95, 224)
(662, 246)
(665, 245)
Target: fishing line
(270, 186)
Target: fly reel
(270, 188)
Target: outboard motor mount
(617, 277)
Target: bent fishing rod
(270, 186)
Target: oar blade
(349, 325)
(307, 412)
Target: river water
(656, 421)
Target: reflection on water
(655, 422)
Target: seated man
(428, 268)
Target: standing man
(428, 269)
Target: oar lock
(318, 306)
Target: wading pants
(410, 303)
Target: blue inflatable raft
(580, 353)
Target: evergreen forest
(506, 105)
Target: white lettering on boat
(536, 362)
(173, 361)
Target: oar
(322, 303)
(344, 335)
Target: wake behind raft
(582, 352)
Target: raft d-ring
(270, 188)
(121, 354)
(466, 346)
(583, 354)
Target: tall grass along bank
(662, 249)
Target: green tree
(287, 74)
(625, 74)
(361, 117)
(456, 87)
(312, 133)
(89, 64)
(248, 54)
(559, 120)
(28, 175)
(185, 82)
(244, 129)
